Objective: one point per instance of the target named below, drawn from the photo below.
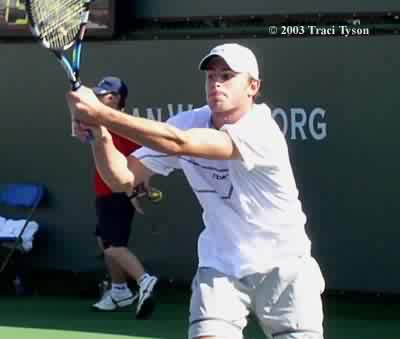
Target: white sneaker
(110, 303)
(145, 306)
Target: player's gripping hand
(84, 106)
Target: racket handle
(75, 85)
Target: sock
(119, 288)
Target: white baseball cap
(239, 58)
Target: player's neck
(229, 117)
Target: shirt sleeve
(161, 163)
(157, 162)
(257, 138)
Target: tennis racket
(59, 25)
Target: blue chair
(27, 196)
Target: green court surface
(42, 317)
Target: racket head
(58, 24)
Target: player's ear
(254, 87)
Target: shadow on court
(20, 317)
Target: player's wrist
(101, 135)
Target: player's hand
(84, 106)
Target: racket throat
(69, 69)
(75, 85)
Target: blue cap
(111, 85)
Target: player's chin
(217, 105)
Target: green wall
(336, 98)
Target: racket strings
(47, 12)
(58, 21)
(62, 22)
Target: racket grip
(75, 85)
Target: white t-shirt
(252, 215)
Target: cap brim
(100, 91)
(204, 62)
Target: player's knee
(215, 329)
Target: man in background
(115, 212)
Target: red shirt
(126, 147)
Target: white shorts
(286, 301)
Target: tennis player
(115, 213)
(254, 254)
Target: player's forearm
(162, 137)
(153, 134)
(112, 165)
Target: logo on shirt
(219, 176)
